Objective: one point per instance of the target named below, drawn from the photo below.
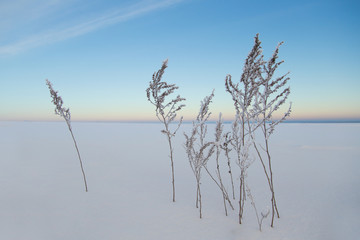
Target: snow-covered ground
(316, 174)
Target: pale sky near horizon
(100, 55)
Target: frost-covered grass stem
(65, 113)
(271, 95)
(225, 146)
(156, 93)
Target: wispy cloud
(15, 14)
(84, 27)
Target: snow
(316, 174)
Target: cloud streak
(53, 36)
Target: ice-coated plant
(198, 150)
(271, 95)
(264, 214)
(244, 160)
(198, 156)
(166, 109)
(201, 119)
(258, 95)
(219, 144)
(226, 146)
(65, 113)
(242, 94)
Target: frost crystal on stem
(219, 142)
(166, 110)
(264, 214)
(242, 95)
(65, 113)
(199, 151)
(256, 98)
(269, 98)
(227, 148)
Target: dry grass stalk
(255, 102)
(243, 96)
(197, 159)
(226, 147)
(65, 113)
(244, 160)
(264, 214)
(201, 119)
(196, 145)
(269, 98)
(199, 151)
(219, 143)
(166, 110)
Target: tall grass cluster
(256, 97)
(226, 156)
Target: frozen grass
(316, 168)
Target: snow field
(316, 174)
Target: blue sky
(100, 55)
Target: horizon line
(189, 122)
